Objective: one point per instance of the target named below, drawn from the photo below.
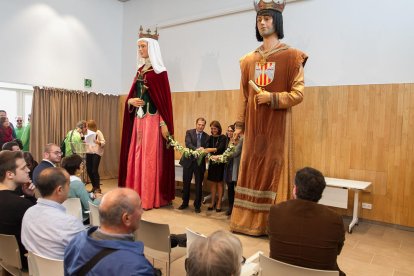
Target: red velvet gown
(146, 165)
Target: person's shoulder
(76, 183)
(15, 201)
(248, 56)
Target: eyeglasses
(56, 152)
(19, 120)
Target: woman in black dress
(216, 146)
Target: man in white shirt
(52, 155)
(46, 228)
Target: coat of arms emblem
(264, 73)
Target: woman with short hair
(74, 165)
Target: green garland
(200, 154)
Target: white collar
(74, 178)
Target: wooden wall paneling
(211, 105)
(361, 132)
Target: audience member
(194, 139)
(31, 163)
(75, 138)
(93, 157)
(6, 132)
(19, 129)
(14, 173)
(46, 228)
(26, 135)
(3, 114)
(220, 254)
(11, 146)
(216, 145)
(52, 155)
(74, 165)
(303, 232)
(120, 214)
(232, 168)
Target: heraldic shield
(264, 73)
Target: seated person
(120, 214)
(46, 228)
(220, 254)
(303, 232)
(14, 174)
(12, 146)
(74, 165)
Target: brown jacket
(305, 233)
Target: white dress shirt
(47, 229)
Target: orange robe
(265, 173)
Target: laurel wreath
(200, 154)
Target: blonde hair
(92, 125)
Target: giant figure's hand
(164, 131)
(137, 102)
(263, 98)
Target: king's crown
(277, 5)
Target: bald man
(120, 214)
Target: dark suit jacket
(43, 165)
(191, 143)
(306, 234)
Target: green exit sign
(87, 83)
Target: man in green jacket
(74, 140)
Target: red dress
(146, 165)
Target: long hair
(277, 23)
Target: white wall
(59, 43)
(348, 42)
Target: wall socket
(366, 205)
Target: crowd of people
(262, 200)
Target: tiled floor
(371, 249)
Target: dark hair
(277, 23)
(10, 145)
(49, 179)
(310, 184)
(8, 162)
(217, 125)
(232, 127)
(201, 119)
(30, 162)
(72, 163)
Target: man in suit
(303, 232)
(52, 155)
(194, 139)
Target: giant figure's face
(143, 49)
(265, 25)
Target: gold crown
(148, 34)
(277, 5)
